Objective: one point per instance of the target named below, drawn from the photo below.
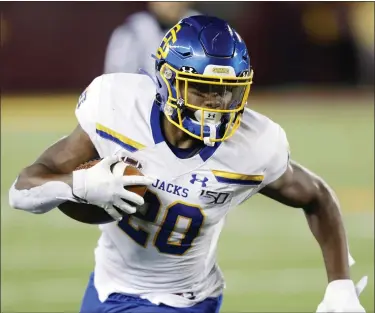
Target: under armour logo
(211, 115)
(202, 181)
(180, 103)
(188, 69)
(245, 73)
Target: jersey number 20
(173, 213)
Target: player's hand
(99, 186)
(343, 296)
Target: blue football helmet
(203, 78)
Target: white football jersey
(170, 249)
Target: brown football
(92, 214)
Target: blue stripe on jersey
(116, 140)
(155, 124)
(236, 178)
(123, 141)
(207, 151)
(237, 181)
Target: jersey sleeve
(275, 165)
(278, 163)
(87, 109)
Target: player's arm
(58, 162)
(300, 188)
(48, 182)
(52, 179)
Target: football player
(202, 153)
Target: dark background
(61, 45)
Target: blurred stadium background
(314, 75)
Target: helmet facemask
(206, 107)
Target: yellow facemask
(209, 98)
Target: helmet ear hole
(158, 81)
(158, 98)
(159, 64)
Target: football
(92, 214)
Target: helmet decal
(171, 36)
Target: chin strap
(207, 140)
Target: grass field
(269, 258)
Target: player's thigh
(211, 305)
(118, 303)
(90, 302)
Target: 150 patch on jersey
(213, 197)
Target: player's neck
(176, 136)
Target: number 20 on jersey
(178, 209)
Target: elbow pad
(40, 199)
